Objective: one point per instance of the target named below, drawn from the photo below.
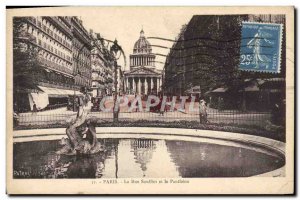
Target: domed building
(142, 78)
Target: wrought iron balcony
(54, 65)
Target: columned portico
(151, 85)
(143, 84)
(146, 85)
(134, 85)
(140, 87)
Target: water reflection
(136, 158)
(143, 151)
(212, 160)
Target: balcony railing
(62, 26)
(56, 85)
(55, 66)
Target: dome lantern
(142, 33)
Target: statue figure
(260, 38)
(81, 133)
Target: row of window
(34, 32)
(52, 62)
(82, 81)
(83, 64)
(97, 62)
(55, 36)
(82, 59)
(78, 46)
(54, 28)
(54, 33)
(54, 50)
(142, 51)
(49, 31)
(58, 79)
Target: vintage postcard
(150, 100)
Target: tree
(26, 68)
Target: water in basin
(137, 158)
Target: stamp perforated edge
(280, 46)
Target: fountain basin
(150, 152)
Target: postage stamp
(261, 47)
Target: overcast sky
(125, 24)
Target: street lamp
(115, 51)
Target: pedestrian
(129, 105)
(34, 108)
(278, 113)
(159, 107)
(221, 104)
(203, 112)
(152, 109)
(137, 103)
(15, 119)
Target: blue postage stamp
(261, 47)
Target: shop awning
(58, 93)
(40, 99)
(220, 90)
(252, 88)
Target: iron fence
(57, 117)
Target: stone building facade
(102, 67)
(63, 58)
(81, 48)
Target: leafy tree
(26, 68)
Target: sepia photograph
(118, 99)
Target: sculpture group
(81, 134)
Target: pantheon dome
(142, 45)
(142, 53)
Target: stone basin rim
(262, 142)
(220, 135)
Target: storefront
(44, 98)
